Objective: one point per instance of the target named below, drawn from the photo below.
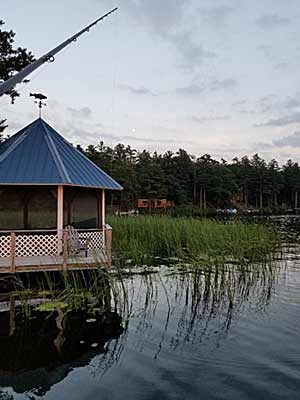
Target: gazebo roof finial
(39, 100)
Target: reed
(143, 238)
(73, 290)
(202, 245)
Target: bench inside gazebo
(52, 204)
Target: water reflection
(176, 310)
(41, 349)
(197, 303)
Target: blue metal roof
(39, 155)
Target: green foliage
(52, 306)
(12, 60)
(200, 183)
(3, 126)
(143, 238)
(72, 290)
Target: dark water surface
(221, 333)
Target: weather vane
(39, 100)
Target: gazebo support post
(26, 199)
(101, 216)
(25, 214)
(107, 232)
(103, 209)
(60, 217)
(108, 242)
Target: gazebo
(46, 184)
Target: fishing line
(114, 80)
(114, 84)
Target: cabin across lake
(52, 204)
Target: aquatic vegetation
(89, 290)
(52, 306)
(180, 312)
(142, 246)
(144, 238)
(191, 311)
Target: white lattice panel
(96, 239)
(5, 246)
(36, 245)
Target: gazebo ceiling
(38, 155)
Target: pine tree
(12, 60)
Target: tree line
(247, 182)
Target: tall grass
(199, 242)
(71, 290)
(146, 237)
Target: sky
(217, 77)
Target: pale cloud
(282, 121)
(193, 53)
(96, 136)
(218, 15)
(247, 112)
(15, 126)
(272, 21)
(290, 140)
(140, 91)
(266, 50)
(262, 146)
(190, 90)
(240, 59)
(268, 103)
(202, 120)
(228, 83)
(292, 102)
(152, 140)
(282, 66)
(169, 19)
(161, 17)
(84, 112)
(239, 103)
(277, 105)
(194, 89)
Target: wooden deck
(94, 260)
(33, 251)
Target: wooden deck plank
(54, 263)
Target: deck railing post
(108, 242)
(13, 252)
(65, 250)
(60, 217)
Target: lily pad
(52, 306)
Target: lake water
(221, 333)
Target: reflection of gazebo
(45, 185)
(40, 351)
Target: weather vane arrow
(10, 83)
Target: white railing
(41, 243)
(36, 244)
(96, 239)
(5, 244)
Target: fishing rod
(10, 83)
